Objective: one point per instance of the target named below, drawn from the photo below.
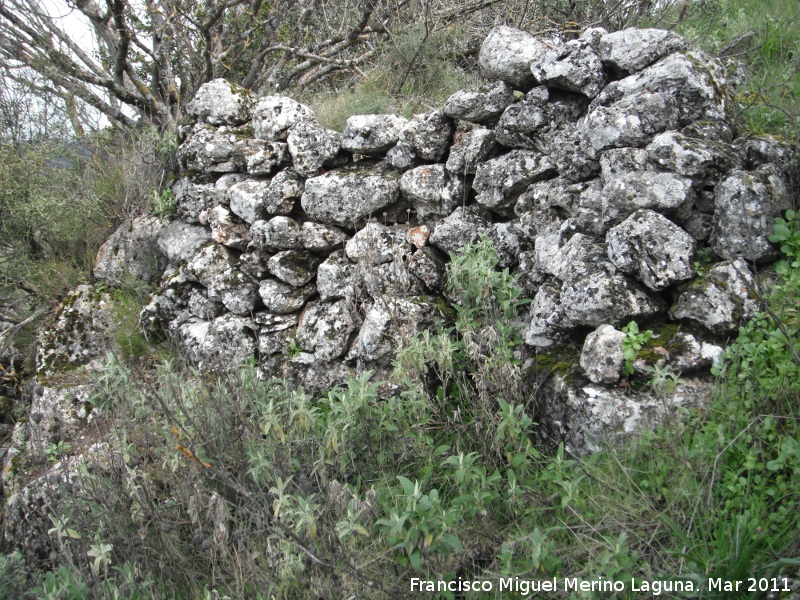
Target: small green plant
(57, 451)
(632, 344)
(663, 381)
(163, 205)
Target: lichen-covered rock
(235, 290)
(321, 238)
(220, 102)
(687, 353)
(254, 263)
(425, 136)
(508, 240)
(264, 158)
(284, 190)
(573, 66)
(217, 150)
(690, 157)
(508, 54)
(227, 229)
(280, 298)
(634, 49)
(602, 297)
(56, 415)
(616, 162)
(348, 195)
(80, 334)
(325, 329)
(275, 332)
(191, 198)
(209, 264)
(247, 198)
(572, 163)
(389, 279)
(587, 418)
(389, 321)
(279, 233)
(721, 299)
(372, 134)
(630, 121)
(462, 227)
(480, 104)
(202, 307)
(470, 147)
(337, 278)
(576, 259)
(429, 266)
(295, 267)
(274, 116)
(666, 193)
(498, 182)
(652, 248)
(602, 355)
(131, 250)
(432, 190)
(179, 241)
(376, 244)
(312, 147)
(676, 91)
(235, 340)
(542, 113)
(746, 204)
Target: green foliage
(632, 344)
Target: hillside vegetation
(230, 486)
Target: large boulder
(274, 116)
(325, 329)
(372, 134)
(633, 49)
(312, 147)
(499, 181)
(179, 241)
(573, 66)
(481, 104)
(131, 250)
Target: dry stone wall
(599, 166)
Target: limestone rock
(337, 278)
(372, 134)
(687, 353)
(217, 150)
(508, 240)
(573, 66)
(425, 136)
(312, 147)
(652, 248)
(180, 241)
(634, 49)
(388, 321)
(80, 333)
(280, 298)
(533, 122)
(265, 158)
(220, 102)
(746, 204)
(273, 116)
(376, 244)
(279, 233)
(202, 307)
(325, 329)
(432, 190)
(508, 54)
(227, 229)
(498, 182)
(247, 199)
(428, 265)
(631, 121)
(295, 267)
(703, 159)
(133, 250)
(480, 104)
(321, 238)
(721, 299)
(56, 414)
(462, 227)
(284, 190)
(470, 147)
(209, 264)
(346, 196)
(600, 298)
(602, 356)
